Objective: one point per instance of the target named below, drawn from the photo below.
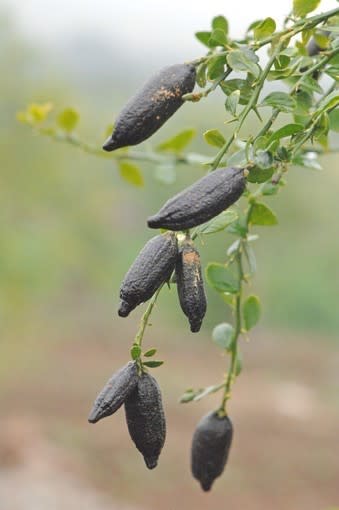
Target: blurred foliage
(70, 226)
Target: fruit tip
(152, 222)
(124, 309)
(151, 462)
(195, 327)
(93, 417)
(206, 486)
(110, 144)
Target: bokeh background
(69, 229)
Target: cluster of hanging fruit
(159, 259)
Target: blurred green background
(70, 227)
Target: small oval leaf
(264, 28)
(223, 335)
(178, 142)
(280, 100)
(221, 279)
(214, 137)
(153, 364)
(262, 215)
(303, 7)
(251, 312)
(150, 353)
(135, 351)
(218, 223)
(68, 119)
(131, 173)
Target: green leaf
(329, 102)
(188, 396)
(135, 351)
(201, 75)
(259, 175)
(39, 112)
(214, 137)
(244, 86)
(232, 102)
(303, 7)
(203, 392)
(223, 335)
(150, 353)
(68, 119)
(244, 60)
(251, 312)
(333, 71)
(310, 85)
(35, 113)
(264, 29)
(131, 173)
(261, 143)
(238, 228)
(216, 67)
(321, 39)
(228, 299)
(203, 37)
(221, 23)
(218, 223)
(218, 36)
(281, 62)
(322, 127)
(233, 248)
(279, 74)
(178, 142)
(308, 160)
(283, 154)
(238, 159)
(334, 120)
(221, 279)
(280, 100)
(263, 159)
(262, 215)
(197, 159)
(250, 257)
(304, 103)
(287, 130)
(269, 189)
(152, 364)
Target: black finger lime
(210, 448)
(114, 393)
(152, 267)
(152, 106)
(146, 419)
(190, 285)
(201, 201)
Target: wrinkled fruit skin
(210, 447)
(146, 419)
(190, 285)
(152, 267)
(149, 109)
(201, 201)
(115, 392)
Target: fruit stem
(231, 375)
(237, 332)
(144, 322)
